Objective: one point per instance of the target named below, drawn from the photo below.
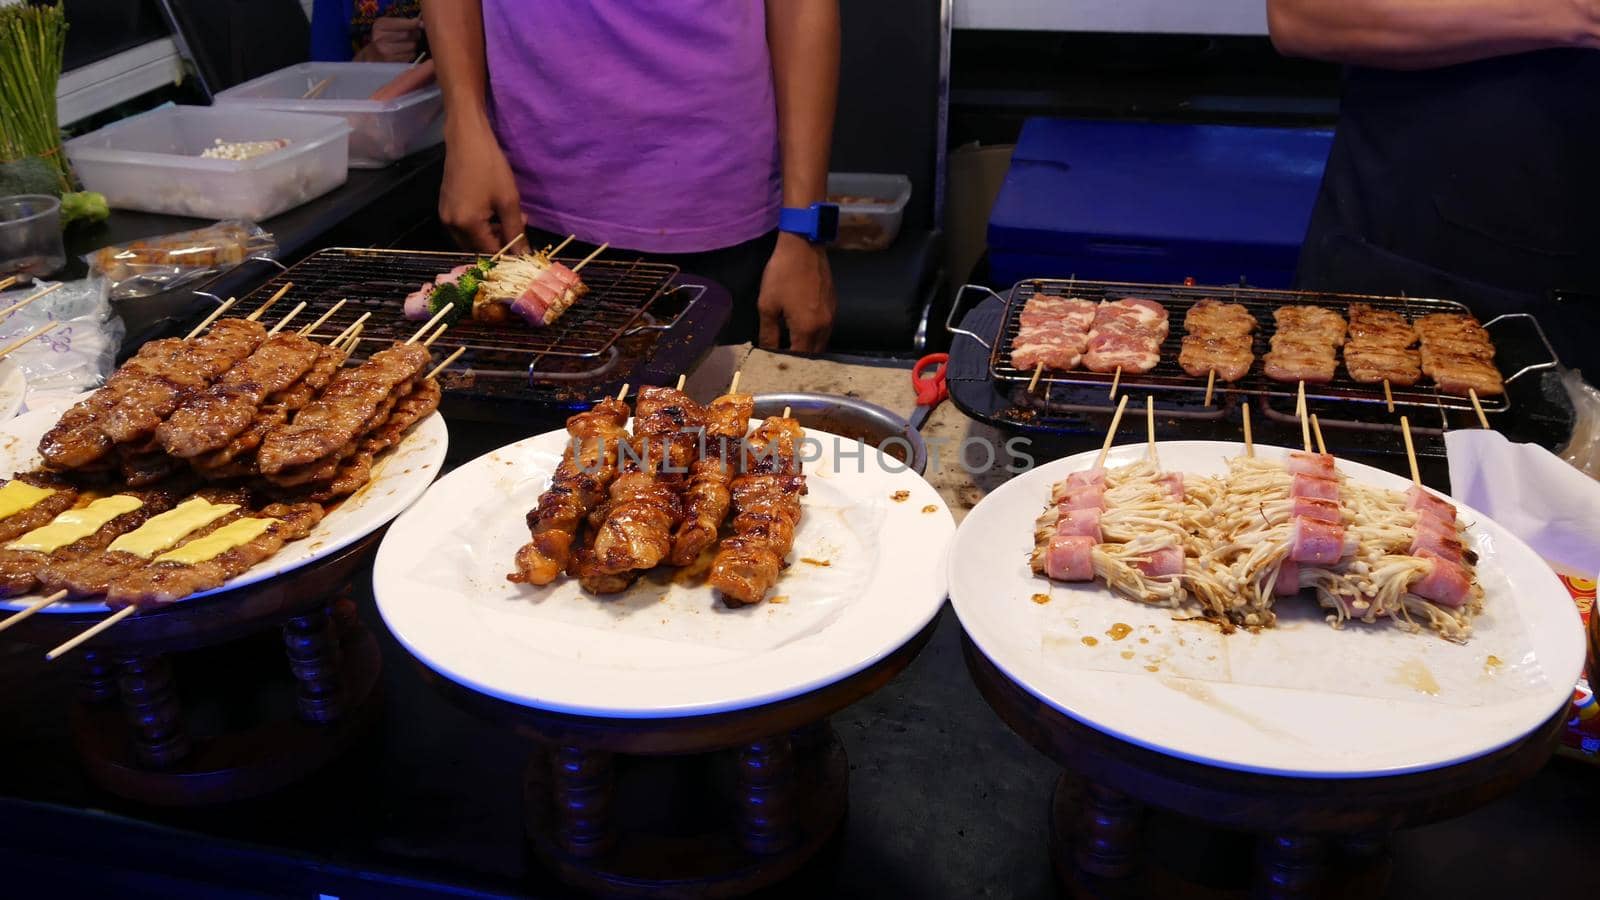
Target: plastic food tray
(382, 131)
(152, 162)
(876, 204)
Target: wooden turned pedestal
(129, 722)
(1285, 837)
(700, 806)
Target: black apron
(1478, 183)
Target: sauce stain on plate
(1198, 690)
(1415, 675)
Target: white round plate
(400, 476)
(867, 573)
(13, 388)
(1300, 699)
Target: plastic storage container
(382, 131)
(152, 162)
(30, 235)
(871, 207)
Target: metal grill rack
(581, 344)
(1182, 394)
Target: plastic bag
(74, 357)
(152, 265)
(1583, 449)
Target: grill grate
(580, 344)
(1181, 393)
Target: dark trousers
(737, 268)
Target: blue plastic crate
(1139, 201)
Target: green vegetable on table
(32, 39)
(83, 206)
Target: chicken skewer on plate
(646, 502)
(707, 496)
(766, 511)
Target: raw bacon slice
(1314, 487)
(1173, 481)
(1438, 545)
(416, 303)
(1317, 509)
(1053, 333)
(1316, 543)
(1166, 561)
(1070, 557)
(1288, 583)
(1083, 522)
(1425, 502)
(1447, 583)
(1087, 497)
(1087, 477)
(1319, 465)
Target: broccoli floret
(445, 294)
(83, 206)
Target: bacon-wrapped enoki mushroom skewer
(579, 485)
(766, 503)
(707, 496)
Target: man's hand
(478, 199)
(394, 39)
(797, 290)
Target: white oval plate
(399, 478)
(1301, 699)
(663, 648)
(13, 388)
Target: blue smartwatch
(817, 223)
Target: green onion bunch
(32, 40)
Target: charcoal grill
(641, 322)
(1355, 416)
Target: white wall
(1138, 16)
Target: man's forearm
(803, 36)
(1418, 34)
(455, 39)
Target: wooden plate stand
(129, 723)
(1314, 837)
(596, 788)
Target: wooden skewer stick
(1150, 427)
(1211, 383)
(355, 341)
(312, 328)
(5, 313)
(270, 300)
(681, 380)
(624, 392)
(1111, 433)
(1316, 429)
(1388, 396)
(446, 364)
(316, 90)
(351, 328)
(561, 246)
(1249, 444)
(590, 258)
(18, 343)
(7, 282)
(88, 633)
(31, 608)
(206, 322)
(428, 326)
(1411, 451)
(435, 336)
(298, 309)
(420, 57)
(1477, 407)
(785, 413)
(1034, 381)
(733, 386)
(1305, 422)
(1115, 380)
(503, 250)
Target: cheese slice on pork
(170, 527)
(229, 536)
(18, 496)
(75, 524)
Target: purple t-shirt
(647, 123)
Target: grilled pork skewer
(646, 503)
(31, 500)
(90, 575)
(579, 485)
(208, 562)
(210, 419)
(74, 533)
(237, 459)
(766, 504)
(357, 470)
(707, 496)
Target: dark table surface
(945, 800)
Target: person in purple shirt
(678, 130)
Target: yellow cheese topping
(171, 527)
(229, 536)
(76, 524)
(17, 496)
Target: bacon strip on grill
(707, 495)
(1218, 339)
(1126, 335)
(141, 394)
(165, 582)
(766, 504)
(578, 486)
(1458, 354)
(1054, 331)
(343, 412)
(207, 421)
